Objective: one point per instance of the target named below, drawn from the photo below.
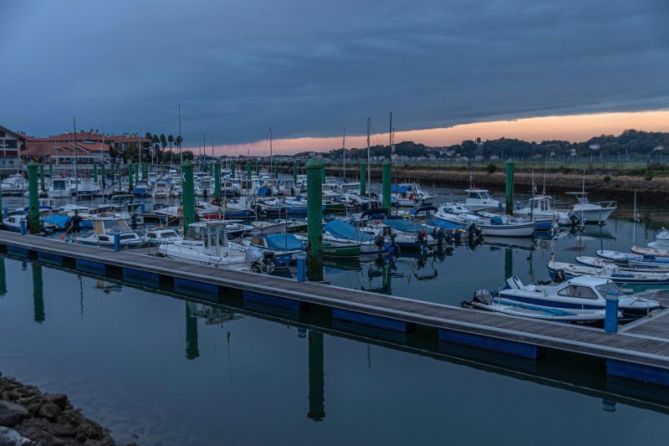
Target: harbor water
(164, 368)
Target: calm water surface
(158, 369)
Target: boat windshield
(608, 287)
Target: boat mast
(343, 145)
(369, 158)
(76, 159)
(271, 155)
(181, 158)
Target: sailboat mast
(369, 158)
(181, 157)
(271, 154)
(390, 137)
(76, 158)
(343, 145)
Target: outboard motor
(422, 241)
(559, 276)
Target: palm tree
(178, 140)
(170, 139)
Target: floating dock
(639, 351)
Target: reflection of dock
(645, 359)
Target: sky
(312, 70)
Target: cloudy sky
(310, 68)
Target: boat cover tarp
(403, 225)
(283, 242)
(342, 229)
(399, 189)
(59, 220)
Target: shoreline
(615, 185)
(31, 417)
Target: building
(85, 148)
(11, 144)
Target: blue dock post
(611, 312)
(117, 241)
(301, 267)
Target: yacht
(60, 188)
(481, 199)
(590, 212)
(104, 230)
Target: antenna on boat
(181, 157)
(271, 155)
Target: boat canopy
(342, 229)
(283, 242)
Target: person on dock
(75, 223)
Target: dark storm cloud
(309, 68)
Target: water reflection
(192, 346)
(39, 314)
(316, 377)
(3, 277)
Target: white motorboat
(60, 188)
(409, 195)
(540, 208)
(589, 212)
(578, 293)
(503, 226)
(485, 300)
(14, 185)
(628, 257)
(162, 235)
(103, 233)
(481, 199)
(206, 243)
(661, 240)
(161, 189)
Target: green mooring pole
(217, 180)
(188, 190)
(386, 172)
(234, 169)
(51, 171)
(103, 174)
(248, 170)
(315, 220)
(131, 167)
(42, 181)
(363, 179)
(295, 170)
(145, 172)
(95, 171)
(33, 199)
(509, 187)
(257, 167)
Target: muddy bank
(30, 417)
(650, 190)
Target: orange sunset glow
(570, 128)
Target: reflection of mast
(38, 294)
(316, 377)
(3, 277)
(192, 349)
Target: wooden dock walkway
(643, 347)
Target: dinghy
(611, 272)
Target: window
(581, 292)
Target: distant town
(86, 147)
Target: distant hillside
(635, 143)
